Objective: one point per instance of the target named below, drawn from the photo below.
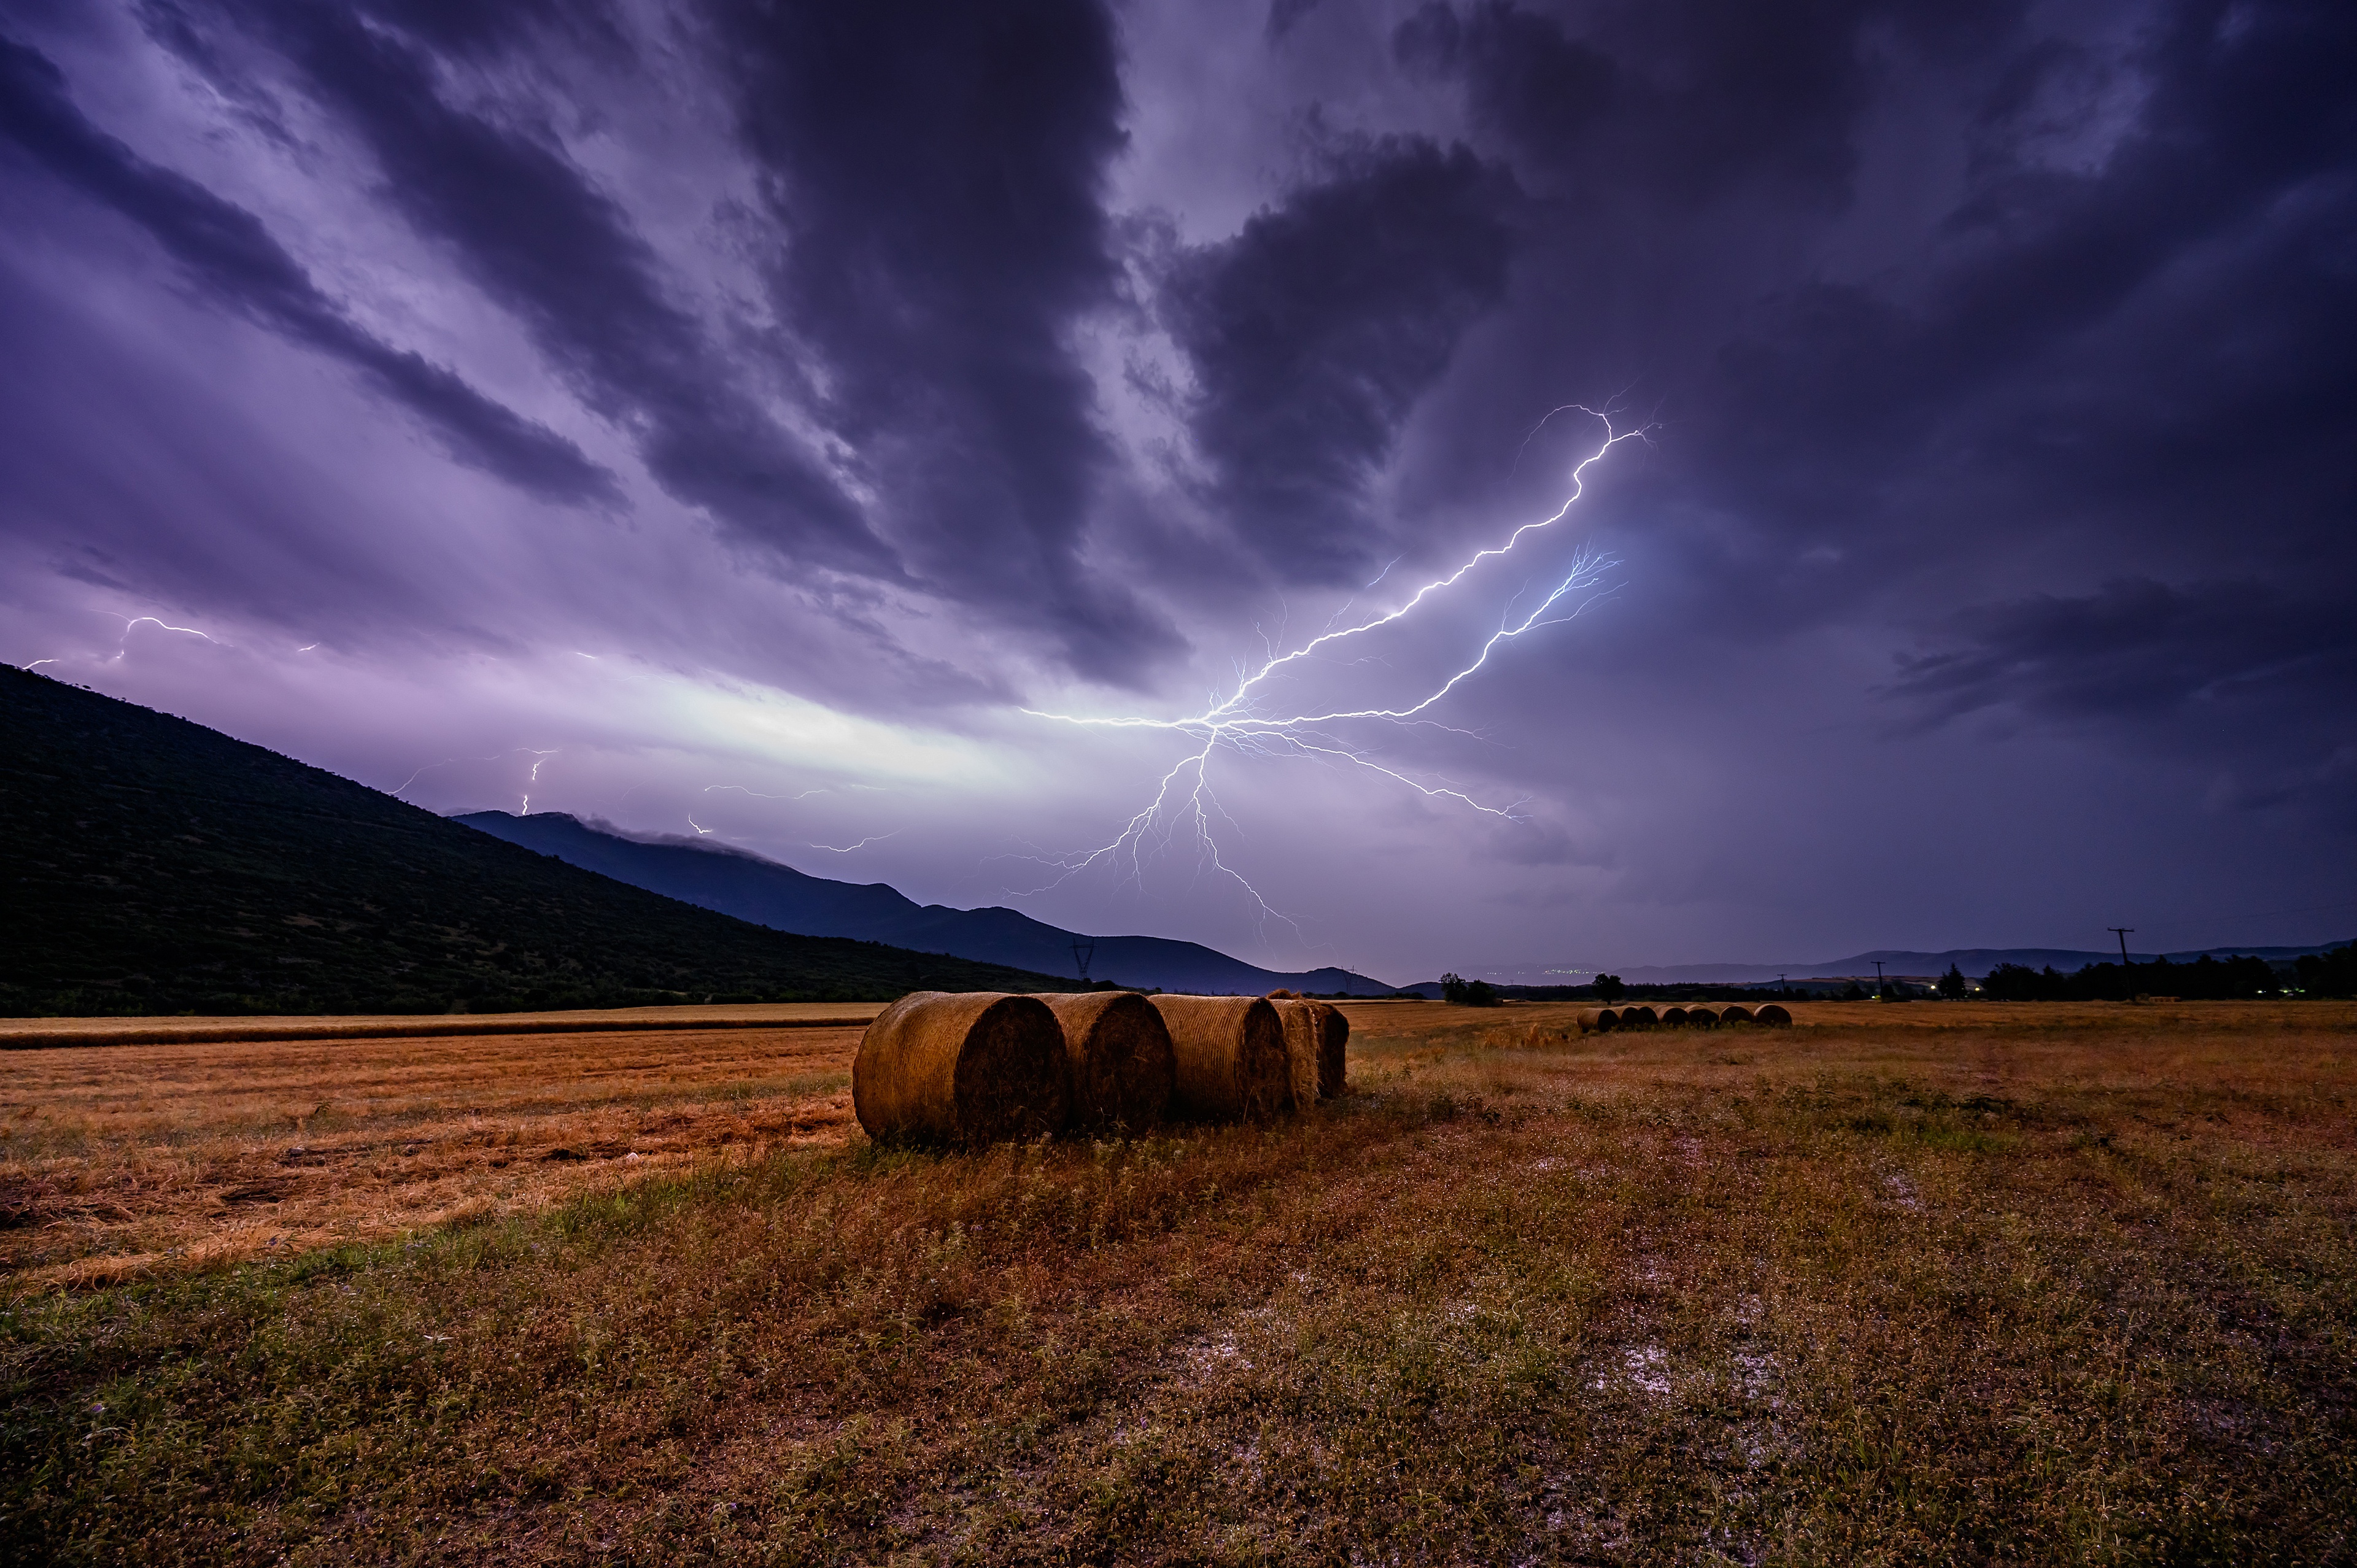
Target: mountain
(1975, 962)
(152, 865)
(737, 882)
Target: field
(1934, 1282)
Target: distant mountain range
(1975, 962)
(768, 892)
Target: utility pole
(1881, 989)
(1083, 950)
(2127, 985)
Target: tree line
(2206, 978)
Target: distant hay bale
(1773, 1015)
(1734, 1013)
(961, 1069)
(1639, 1018)
(1302, 1039)
(1230, 1056)
(1700, 1017)
(1334, 1042)
(1119, 1072)
(1598, 1020)
(1674, 1018)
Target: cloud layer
(780, 400)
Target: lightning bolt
(496, 757)
(741, 790)
(1250, 723)
(863, 843)
(130, 621)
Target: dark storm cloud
(2233, 123)
(938, 170)
(533, 232)
(2123, 320)
(1714, 90)
(2138, 649)
(226, 253)
(1316, 331)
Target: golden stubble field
(120, 1161)
(1935, 1282)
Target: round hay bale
(961, 1069)
(1773, 1015)
(1701, 1018)
(1639, 1018)
(1598, 1020)
(1230, 1056)
(1281, 995)
(1333, 1037)
(1674, 1018)
(1734, 1013)
(1301, 1042)
(1119, 1074)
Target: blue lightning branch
(1249, 723)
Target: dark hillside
(152, 865)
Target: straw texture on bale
(1674, 1018)
(1119, 1073)
(960, 1067)
(1639, 1018)
(1301, 1042)
(1736, 1015)
(1598, 1020)
(1772, 1017)
(1230, 1056)
(1700, 1017)
(1333, 1050)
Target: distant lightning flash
(539, 758)
(863, 843)
(741, 790)
(1248, 722)
(130, 621)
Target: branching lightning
(1251, 722)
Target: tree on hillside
(1609, 988)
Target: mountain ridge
(736, 881)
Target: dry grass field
(118, 1162)
(1924, 1284)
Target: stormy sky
(785, 422)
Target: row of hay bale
(970, 1068)
(1601, 1020)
